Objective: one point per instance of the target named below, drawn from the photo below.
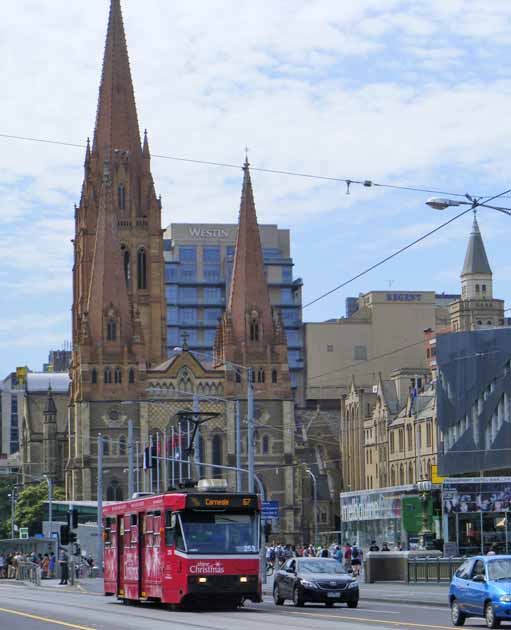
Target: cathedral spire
(116, 120)
(108, 308)
(249, 295)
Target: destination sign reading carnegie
(230, 502)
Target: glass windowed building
(198, 268)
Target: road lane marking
(47, 619)
(387, 622)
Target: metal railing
(28, 571)
(432, 569)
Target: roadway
(31, 608)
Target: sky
(406, 93)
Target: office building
(198, 267)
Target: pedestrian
(338, 555)
(493, 551)
(45, 566)
(347, 557)
(356, 559)
(51, 566)
(385, 547)
(374, 546)
(324, 552)
(64, 567)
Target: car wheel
(489, 615)
(457, 617)
(353, 604)
(276, 596)
(297, 598)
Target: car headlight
(505, 598)
(353, 584)
(307, 584)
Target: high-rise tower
(477, 307)
(119, 328)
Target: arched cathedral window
(142, 269)
(121, 197)
(111, 330)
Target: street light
(315, 498)
(441, 203)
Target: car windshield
(499, 569)
(320, 566)
(220, 533)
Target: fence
(28, 571)
(432, 569)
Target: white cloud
(378, 89)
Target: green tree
(30, 509)
(6, 486)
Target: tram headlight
(244, 579)
(202, 580)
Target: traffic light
(267, 530)
(72, 537)
(148, 460)
(64, 535)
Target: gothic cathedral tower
(118, 313)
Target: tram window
(133, 530)
(180, 542)
(107, 526)
(148, 529)
(156, 528)
(170, 524)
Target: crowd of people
(11, 563)
(349, 555)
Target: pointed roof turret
(476, 261)
(50, 408)
(249, 290)
(116, 119)
(145, 151)
(107, 290)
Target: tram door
(120, 556)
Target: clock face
(114, 418)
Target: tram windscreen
(227, 533)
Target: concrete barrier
(392, 566)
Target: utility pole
(13, 506)
(50, 503)
(131, 480)
(250, 432)
(239, 484)
(100, 504)
(198, 456)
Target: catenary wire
(345, 180)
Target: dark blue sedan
(481, 587)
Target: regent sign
(404, 297)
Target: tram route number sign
(270, 510)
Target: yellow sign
(435, 477)
(21, 375)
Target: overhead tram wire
(475, 205)
(367, 183)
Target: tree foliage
(30, 510)
(6, 485)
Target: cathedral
(120, 369)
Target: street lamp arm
(503, 210)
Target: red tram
(183, 547)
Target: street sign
(270, 510)
(23, 532)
